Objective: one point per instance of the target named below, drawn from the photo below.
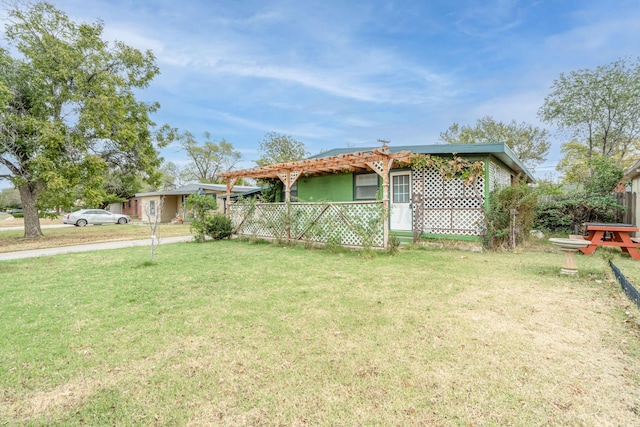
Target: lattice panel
(450, 206)
(378, 165)
(260, 220)
(349, 224)
(499, 177)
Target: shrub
(218, 226)
(201, 205)
(567, 213)
(511, 215)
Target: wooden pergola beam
(342, 163)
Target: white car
(94, 216)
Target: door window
(400, 188)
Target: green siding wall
(332, 188)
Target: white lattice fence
(499, 177)
(450, 206)
(348, 223)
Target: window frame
(405, 185)
(369, 187)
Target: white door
(401, 214)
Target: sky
(346, 73)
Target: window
(152, 207)
(400, 188)
(366, 186)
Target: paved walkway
(90, 247)
(20, 227)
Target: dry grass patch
(230, 333)
(13, 240)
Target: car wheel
(81, 222)
(122, 220)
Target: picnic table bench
(619, 235)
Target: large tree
(68, 110)
(528, 142)
(280, 148)
(599, 108)
(208, 159)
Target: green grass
(233, 333)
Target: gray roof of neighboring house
(244, 194)
(632, 172)
(194, 187)
(500, 150)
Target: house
(632, 204)
(146, 205)
(417, 199)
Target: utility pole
(384, 142)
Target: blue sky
(346, 73)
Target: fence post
(512, 228)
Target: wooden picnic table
(603, 234)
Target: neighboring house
(632, 203)
(145, 205)
(255, 193)
(415, 197)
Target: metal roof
(194, 187)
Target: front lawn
(13, 240)
(234, 333)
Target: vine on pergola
(457, 168)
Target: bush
(519, 199)
(566, 214)
(218, 226)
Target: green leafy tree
(69, 113)
(171, 176)
(598, 107)
(278, 148)
(574, 164)
(595, 202)
(208, 159)
(606, 176)
(528, 142)
(201, 204)
(9, 198)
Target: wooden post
(383, 168)
(227, 203)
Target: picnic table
(604, 234)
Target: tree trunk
(30, 211)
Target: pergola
(378, 160)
